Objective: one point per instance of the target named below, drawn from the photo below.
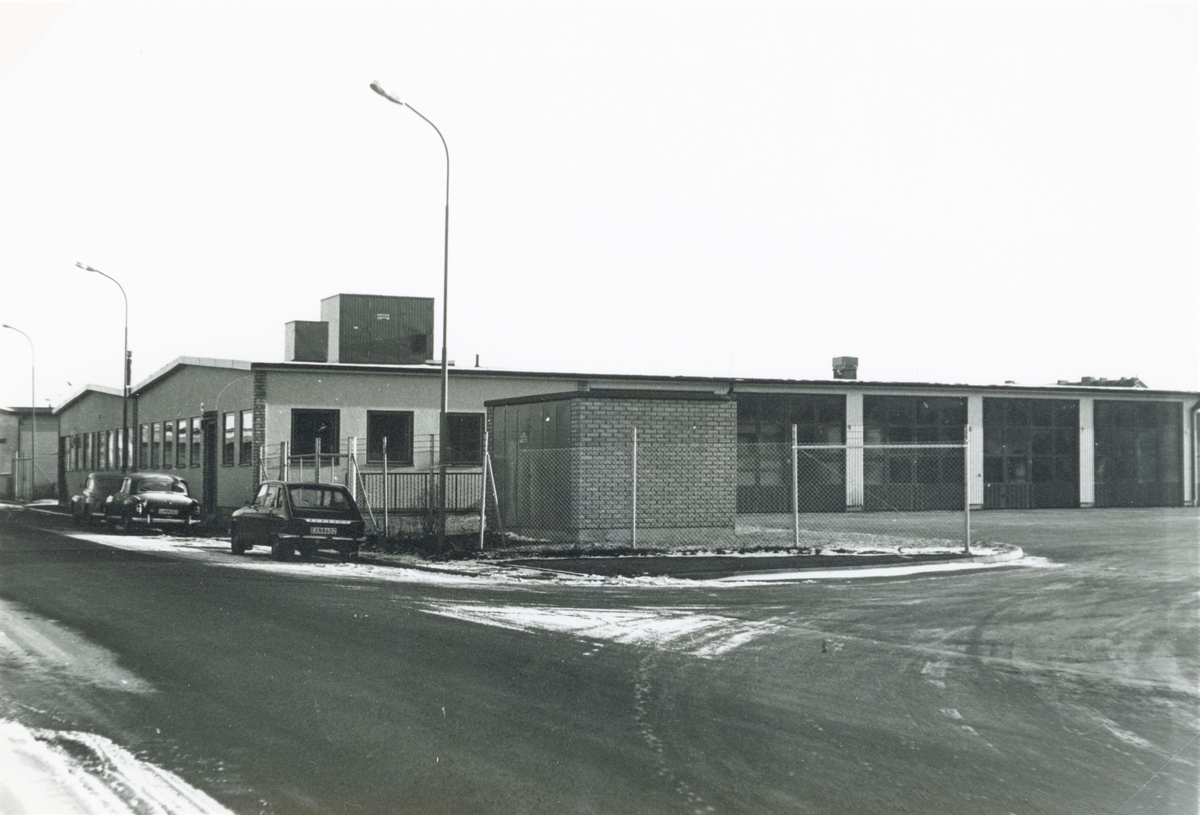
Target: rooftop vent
(845, 367)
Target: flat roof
(722, 383)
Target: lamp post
(125, 441)
(445, 404)
(32, 410)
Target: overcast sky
(960, 192)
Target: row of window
(179, 443)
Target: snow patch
(670, 629)
(69, 772)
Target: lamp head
(375, 86)
(86, 268)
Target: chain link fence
(655, 495)
(395, 497)
(853, 495)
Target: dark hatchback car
(300, 518)
(88, 506)
(151, 500)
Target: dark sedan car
(298, 517)
(88, 506)
(151, 500)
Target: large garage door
(1030, 453)
(1139, 453)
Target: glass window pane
(168, 444)
(900, 471)
(246, 447)
(993, 469)
(1042, 411)
(194, 455)
(1016, 470)
(397, 428)
(229, 440)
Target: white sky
(971, 192)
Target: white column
(854, 451)
(975, 451)
(1087, 453)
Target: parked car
(151, 500)
(88, 507)
(300, 518)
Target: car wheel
(281, 550)
(308, 553)
(236, 542)
(346, 554)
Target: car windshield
(160, 485)
(107, 483)
(309, 497)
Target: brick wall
(686, 463)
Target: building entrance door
(208, 474)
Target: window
(309, 426)
(144, 453)
(181, 443)
(229, 442)
(155, 445)
(246, 453)
(168, 444)
(464, 438)
(194, 456)
(397, 428)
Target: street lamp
(32, 411)
(125, 441)
(445, 406)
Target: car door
(274, 513)
(250, 518)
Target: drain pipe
(1195, 455)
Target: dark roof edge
(611, 393)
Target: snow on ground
(69, 772)
(495, 573)
(668, 629)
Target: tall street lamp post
(32, 410)
(125, 441)
(445, 404)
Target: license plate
(323, 530)
(168, 512)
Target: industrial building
(360, 380)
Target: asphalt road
(1069, 687)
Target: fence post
(491, 471)
(385, 490)
(317, 461)
(283, 462)
(635, 468)
(483, 492)
(352, 468)
(795, 489)
(967, 489)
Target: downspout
(1195, 456)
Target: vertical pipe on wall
(352, 468)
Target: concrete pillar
(854, 451)
(975, 451)
(1087, 453)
